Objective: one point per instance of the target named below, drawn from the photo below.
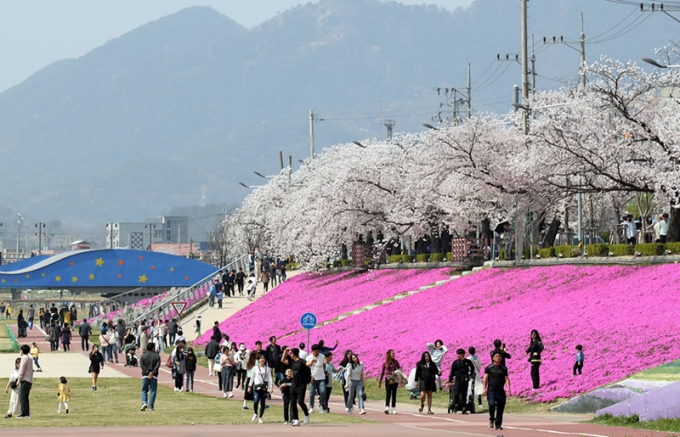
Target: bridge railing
(192, 295)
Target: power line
(623, 31)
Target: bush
(449, 256)
(345, 262)
(437, 257)
(674, 247)
(395, 258)
(597, 250)
(291, 266)
(622, 249)
(422, 258)
(567, 251)
(548, 252)
(526, 252)
(336, 263)
(650, 249)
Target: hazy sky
(35, 33)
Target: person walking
(63, 394)
(150, 363)
(317, 366)
(284, 386)
(66, 338)
(478, 386)
(390, 366)
(96, 365)
(13, 384)
(191, 362)
(239, 279)
(260, 385)
(197, 325)
(21, 325)
(25, 382)
(35, 354)
(211, 350)
(227, 364)
(495, 378)
(173, 327)
(355, 384)
(462, 370)
(30, 314)
(426, 378)
(301, 377)
(241, 358)
(578, 365)
(534, 353)
(85, 330)
(53, 333)
(178, 365)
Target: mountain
(194, 99)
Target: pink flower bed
(626, 318)
(327, 296)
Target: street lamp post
(20, 222)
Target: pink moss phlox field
(626, 318)
(326, 295)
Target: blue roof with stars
(106, 268)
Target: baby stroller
(469, 398)
(130, 357)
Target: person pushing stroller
(462, 372)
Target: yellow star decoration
(74, 279)
(42, 274)
(3, 280)
(172, 269)
(99, 262)
(58, 278)
(143, 279)
(28, 276)
(92, 277)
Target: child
(13, 384)
(35, 353)
(64, 394)
(579, 359)
(284, 386)
(190, 368)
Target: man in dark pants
(150, 363)
(85, 330)
(240, 280)
(172, 331)
(25, 381)
(462, 371)
(495, 378)
(301, 377)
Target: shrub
(650, 249)
(548, 252)
(291, 266)
(422, 258)
(449, 256)
(345, 262)
(336, 263)
(395, 258)
(674, 247)
(567, 251)
(597, 250)
(622, 249)
(437, 257)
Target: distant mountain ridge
(139, 124)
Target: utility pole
(312, 119)
(20, 222)
(40, 227)
(582, 50)
(533, 67)
(525, 68)
(389, 124)
(469, 92)
(281, 158)
(152, 227)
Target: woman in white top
(260, 384)
(13, 385)
(355, 384)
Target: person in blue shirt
(579, 359)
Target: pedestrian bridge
(104, 268)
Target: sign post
(179, 309)
(308, 321)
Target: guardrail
(190, 295)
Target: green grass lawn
(88, 408)
(665, 372)
(664, 425)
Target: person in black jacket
(211, 350)
(426, 377)
(190, 368)
(499, 347)
(273, 355)
(462, 371)
(150, 363)
(534, 353)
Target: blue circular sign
(308, 320)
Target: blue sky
(35, 33)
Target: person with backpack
(260, 385)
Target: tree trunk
(549, 239)
(674, 225)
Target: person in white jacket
(478, 386)
(437, 352)
(260, 384)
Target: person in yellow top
(64, 394)
(35, 353)
(67, 317)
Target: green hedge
(422, 258)
(597, 250)
(345, 262)
(650, 249)
(449, 256)
(622, 249)
(437, 257)
(547, 252)
(567, 251)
